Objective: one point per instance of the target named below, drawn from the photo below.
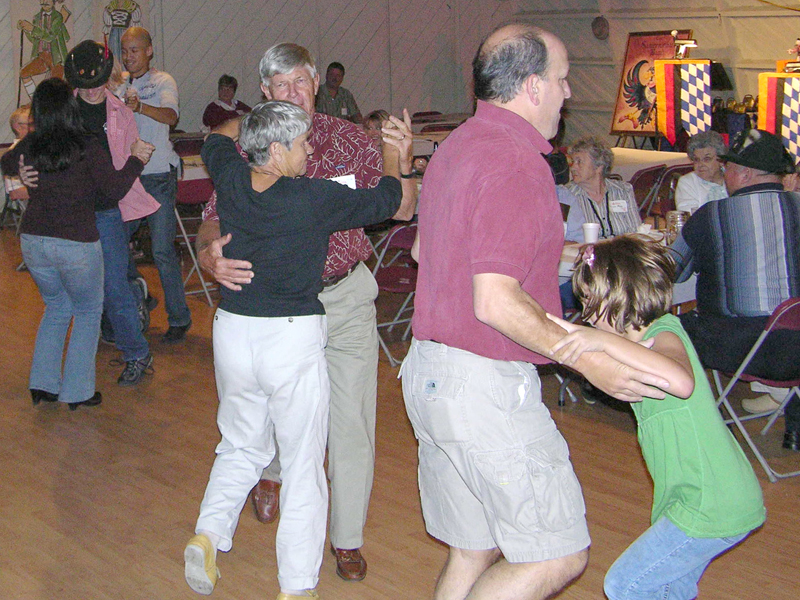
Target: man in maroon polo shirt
(495, 478)
(342, 151)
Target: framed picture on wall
(634, 110)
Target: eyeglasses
(707, 160)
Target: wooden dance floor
(97, 504)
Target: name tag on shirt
(348, 180)
(344, 111)
(618, 206)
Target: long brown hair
(626, 281)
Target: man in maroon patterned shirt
(341, 150)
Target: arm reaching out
(398, 159)
(501, 303)
(662, 355)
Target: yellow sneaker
(307, 594)
(201, 566)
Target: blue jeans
(664, 563)
(163, 225)
(119, 300)
(69, 276)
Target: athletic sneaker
(134, 369)
(140, 293)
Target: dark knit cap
(88, 65)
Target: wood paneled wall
(404, 53)
(417, 53)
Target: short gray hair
(598, 151)
(499, 72)
(272, 121)
(707, 139)
(282, 59)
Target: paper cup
(591, 233)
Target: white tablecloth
(627, 161)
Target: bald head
(507, 57)
(138, 33)
(524, 69)
(137, 51)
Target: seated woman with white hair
(705, 183)
(605, 201)
(269, 336)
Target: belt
(334, 279)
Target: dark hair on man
(58, 138)
(228, 81)
(336, 65)
(499, 72)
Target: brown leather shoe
(350, 565)
(266, 500)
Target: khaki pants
(352, 357)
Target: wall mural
(45, 29)
(635, 108)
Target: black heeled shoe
(93, 401)
(791, 440)
(42, 396)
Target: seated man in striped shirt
(746, 252)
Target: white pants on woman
(271, 374)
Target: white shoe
(762, 404)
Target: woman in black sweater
(60, 242)
(269, 337)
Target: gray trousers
(352, 357)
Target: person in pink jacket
(87, 68)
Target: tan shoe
(350, 565)
(762, 404)
(266, 500)
(201, 565)
(306, 595)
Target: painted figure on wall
(47, 33)
(118, 15)
(640, 94)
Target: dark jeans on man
(163, 225)
(723, 342)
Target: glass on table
(676, 219)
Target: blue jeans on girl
(664, 564)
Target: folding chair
(439, 127)
(192, 193)
(665, 196)
(786, 316)
(645, 184)
(425, 113)
(11, 208)
(396, 273)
